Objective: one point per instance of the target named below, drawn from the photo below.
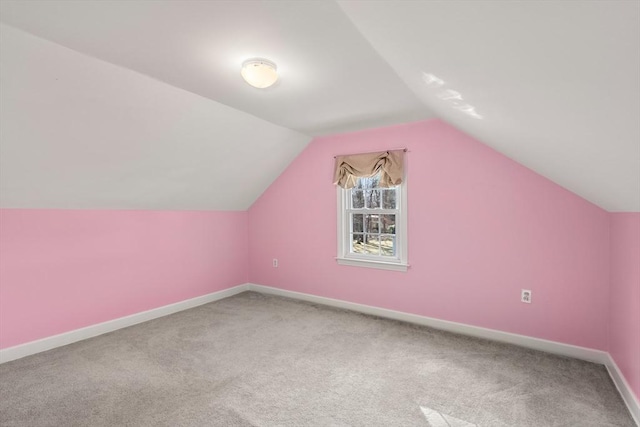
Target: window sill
(394, 266)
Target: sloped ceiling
(139, 104)
(331, 78)
(554, 85)
(79, 133)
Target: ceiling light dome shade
(259, 73)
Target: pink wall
(481, 227)
(61, 270)
(624, 339)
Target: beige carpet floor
(257, 360)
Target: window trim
(345, 258)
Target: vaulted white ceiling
(554, 85)
(146, 109)
(332, 80)
(78, 133)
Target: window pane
(371, 224)
(389, 198)
(357, 199)
(371, 182)
(372, 198)
(388, 224)
(371, 216)
(387, 246)
(357, 223)
(357, 243)
(372, 244)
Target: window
(372, 225)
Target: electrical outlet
(525, 296)
(275, 262)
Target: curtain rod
(371, 152)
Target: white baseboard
(554, 347)
(54, 341)
(625, 390)
(568, 350)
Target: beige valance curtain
(390, 165)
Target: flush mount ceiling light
(259, 72)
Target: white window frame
(345, 257)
